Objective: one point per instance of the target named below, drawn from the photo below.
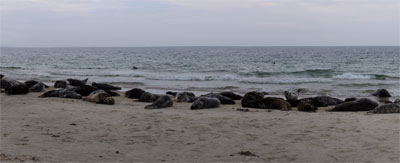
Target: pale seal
(205, 102)
(100, 97)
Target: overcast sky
(72, 23)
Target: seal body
(362, 104)
(63, 93)
(307, 105)
(38, 87)
(60, 84)
(135, 93)
(221, 98)
(76, 82)
(30, 83)
(13, 87)
(100, 97)
(381, 93)
(163, 101)
(205, 102)
(231, 95)
(386, 108)
(250, 97)
(185, 97)
(148, 97)
(273, 103)
(105, 86)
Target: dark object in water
(148, 97)
(204, 103)
(105, 86)
(249, 98)
(134, 67)
(60, 84)
(231, 95)
(362, 104)
(322, 101)
(162, 102)
(306, 105)
(63, 93)
(135, 93)
(76, 82)
(381, 93)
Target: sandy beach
(57, 129)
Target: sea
(334, 71)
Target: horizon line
(161, 46)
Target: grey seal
(248, 99)
(60, 84)
(38, 87)
(362, 104)
(205, 102)
(63, 93)
(76, 82)
(381, 93)
(135, 93)
(185, 97)
(105, 86)
(148, 97)
(163, 101)
(221, 98)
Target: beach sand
(57, 129)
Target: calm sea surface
(335, 71)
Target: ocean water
(335, 71)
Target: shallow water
(335, 71)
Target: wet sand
(57, 129)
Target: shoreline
(59, 129)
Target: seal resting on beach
(291, 97)
(60, 84)
(148, 97)
(185, 97)
(105, 86)
(350, 99)
(38, 87)
(13, 87)
(231, 95)
(362, 104)
(306, 105)
(221, 98)
(205, 102)
(30, 83)
(135, 93)
(85, 90)
(63, 93)
(322, 101)
(163, 101)
(387, 108)
(249, 98)
(381, 93)
(273, 103)
(100, 97)
(76, 82)
(171, 93)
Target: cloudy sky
(76, 23)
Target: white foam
(352, 76)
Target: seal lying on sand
(387, 108)
(221, 98)
(231, 95)
(248, 99)
(135, 93)
(13, 87)
(105, 86)
(30, 83)
(100, 97)
(162, 102)
(185, 97)
(63, 93)
(362, 104)
(60, 84)
(76, 82)
(322, 101)
(205, 102)
(307, 105)
(38, 87)
(148, 97)
(272, 103)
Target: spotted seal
(205, 102)
(387, 108)
(76, 82)
(362, 104)
(100, 97)
(163, 101)
(185, 97)
(63, 93)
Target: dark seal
(63, 93)
(381, 93)
(185, 97)
(162, 102)
(76, 82)
(105, 86)
(148, 97)
(60, 84)
(135, 93)
(362, 104)
(250, 97)
(205, 102)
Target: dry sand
(57, 129)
